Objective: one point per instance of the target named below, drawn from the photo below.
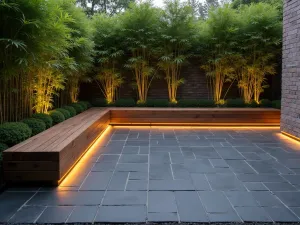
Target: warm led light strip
(98, 138)
(201, 124)
(290, 136)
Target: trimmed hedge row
(15, 132)
(232, 103)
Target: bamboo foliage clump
(109, 54)
(177, 32)
(140, 23)
(259, 40)
(46, 86)
(220, 35)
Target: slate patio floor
(146, 174)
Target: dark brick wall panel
(290, 113)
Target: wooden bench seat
(49, 155)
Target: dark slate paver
(190, 207)
(28, 214)
(125, 198)
(162, 217)
(55, 214)
(121, 214)
(83, 214)
(161, 201)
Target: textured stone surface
(290, 102)
(168, 181)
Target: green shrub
(252, 104)
(188, 103)
(265, 103)
(206, 103)
(86, 103)
(70, 109)
(99, 102)
(78, 108)
(36, 125)
(235, 103)
(2, 148)
(65, 112)
(125, 102)
(157, 103)
(56, 116)
(276, 104)
(14, 132)
(83, 105)
(44, 117)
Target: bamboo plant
(140, 23)
(176, 36)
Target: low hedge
(195, 103)
(57, 117)
(44, 117)
(78, 107)
(265, 103)
(276, 104)
(65, 112)
(99, 102)
(235, 103)
(36, 125)
(14, 132)
(70, 109)
(188, 103)
(2, 148)
(157, 103)
(83, 105)
(125, 102)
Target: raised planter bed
(196, 116)
(50, 155)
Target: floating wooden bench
(49, 155)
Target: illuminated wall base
(291, 136)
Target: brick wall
(290, 113)
(194, 87)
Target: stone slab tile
(171, 185)
(120, 198)
(291, 199)
(133, 158)
(96, 181)
(83, 214)
(161, 201)
(162, 217)
(55, 214)
(121, 214)
(118, 181)
(10, 202)
(225, 182)
(281, 214)
(241, 198)
(230, 216)
(200, 182)
(67, 198)
(137, 185)
(27, 214)
(255, 186)
(253, 214)
(210, 198)
(189, 206)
